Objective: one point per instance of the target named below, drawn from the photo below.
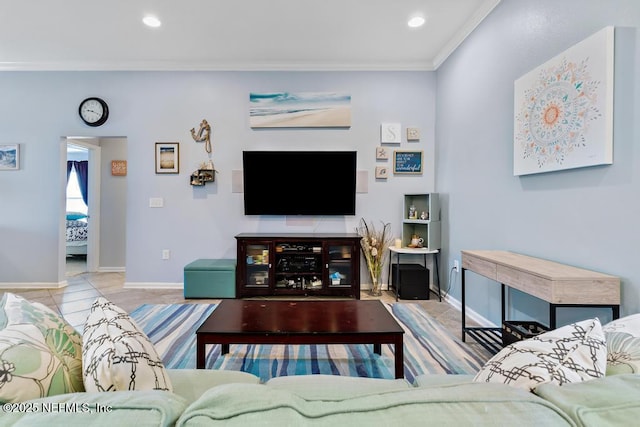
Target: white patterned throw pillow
(572, 353)
(116, 353)
(623, 345)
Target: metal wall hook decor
(203, 135)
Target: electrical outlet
(166, 254)
(456, 265)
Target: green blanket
(478, 404)
(123, 408)
(608, 401)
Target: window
(74, 196)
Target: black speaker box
(413, 282)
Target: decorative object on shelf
(413, 134)
(382, 172)
(412, 212)
(203, 135)
(299, 110)
(382, 153)
(206, 173)
(119, 167)
(424, 215)
(374, 244)
(93, 111)
(416, 241)
(391, 133)
(10, 157)
(407, 162)
(167, 157)
(563, 109)
(201, 177)
(336, 277)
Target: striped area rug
(428, 347)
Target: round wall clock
(94, 111)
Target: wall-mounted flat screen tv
(299, 182)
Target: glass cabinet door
(339, 265)
(257, 265)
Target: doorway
(102, 209)
(82, 233)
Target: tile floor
(74, 301)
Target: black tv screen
(299, 182)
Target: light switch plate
(156, 202)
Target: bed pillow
(572, 353)
(40, 353)
(73, 216)
(116, 353)
(623, 345)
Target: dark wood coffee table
(300, 322)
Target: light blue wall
(38, 108)
(584, 217)
(113, 207)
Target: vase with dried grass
(374, 244)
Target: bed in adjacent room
(76, 233)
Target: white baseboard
(33, 285)
(480, 320)
(153, 285)
(111, 270)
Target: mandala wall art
(563, 116)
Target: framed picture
(118, 167)
(390, 133)
(167, 157)
(413, 134)
(382, 153)
(407, 162)
(299, 110)
(563, 116)
(382, 172)
(10, 157)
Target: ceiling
(233, 34)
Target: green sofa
(52, 376)
(210, 397)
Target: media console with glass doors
(326, 264)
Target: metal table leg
(435, 257)
(464, 305)
(396, 280)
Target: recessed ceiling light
(151, 21)
(416, 21)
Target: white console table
(558, 284)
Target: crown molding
(213, 66)
(485, 9)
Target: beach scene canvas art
(303, 109)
